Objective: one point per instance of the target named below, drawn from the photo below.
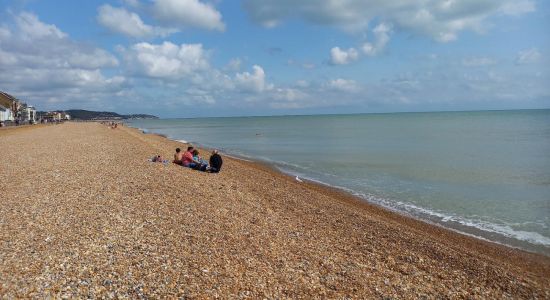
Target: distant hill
(80, 114)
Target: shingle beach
(84, 214)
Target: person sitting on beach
(197, 157)
(178, 157)
(157, 158)
(188, 160)
(216, 162)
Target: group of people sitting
(192, 159)
(111, 124)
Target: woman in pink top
(188, 160)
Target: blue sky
(189, 58)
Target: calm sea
(483, 173)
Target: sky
(202, 58)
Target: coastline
(497, 250)
(530, 260)
(263, 232)
(502, 252)
(491, 233)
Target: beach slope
(83, 213)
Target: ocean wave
(438, 217)
(238, 157)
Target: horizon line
(360, 113)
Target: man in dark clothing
(215, 162)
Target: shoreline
(469, 231)
(497, 249)
(531, 261)
(118, 225)
(438, 230)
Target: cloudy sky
(188, 58)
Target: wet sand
(84, 214)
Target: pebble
(83, 214)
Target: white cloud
(234, 64)
(518, 7)
(252, 82)
(185, 75)
(166, 60)
(31, 28)
(442, 20)
(382, 36)
(188, 13)
(67, 78)
(40, 61)
(7, 58)
(119, 20)
(344, 85)
(5, 33)
(343, 57)
(288, 94)
(199, 96)
(528, 56)
(91, 59)
(289, 98)
(34, 44)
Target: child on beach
(197, 157)
(178, 157)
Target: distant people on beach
(157, 158)
(178, 157)
(216, 162)
(198, 158)
(190, 162)
(111, 124)
(192, 159)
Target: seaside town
(15, 112)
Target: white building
(28, 114)
(52, 116)
(6, 114)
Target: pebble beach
(84, 214)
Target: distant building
(21, 112)
(53, 116)
(27, 114)
(6, 114)
(65, 116)
(10, 102)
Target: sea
(481, 173)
